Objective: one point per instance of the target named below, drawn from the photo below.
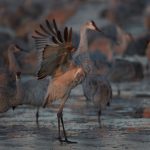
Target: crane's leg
(99, 118)
(59, 135)
(65, 135)
(60, 119)
(37, 116)
(13, 107)
(108, 104)
(118, 90)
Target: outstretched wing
(56, 48)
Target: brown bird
(97, 89)
(27, 61)
(10, 91)
(57, 61)
(30, 92)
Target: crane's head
(13, 48)
(92, 26)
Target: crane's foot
(60, 120)
(70, 142)
(66, 141)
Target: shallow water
(124, 126)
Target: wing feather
(44, 30)
(50, 28)
(70, 35)
(51, 60)
(55, 26)
(39, 33)
(55, 54)
(66, 34)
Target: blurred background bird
(122, 59)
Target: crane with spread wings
(57, 60)
(56, 49)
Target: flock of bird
(68, 66)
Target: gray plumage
(9, 91)
(138, 46)
(9, 87)
(98, 90)
(28, 62)
(14, 92)
(33, 93)
(120, 70)
(125, 71)
(95, 87)
(64, 81)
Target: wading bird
(98, 89)
(123, 70)
(26, 61)
(31, 92)
(10, 90)
(57, 61)
(95, 86)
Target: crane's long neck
(82, 56)
(18, 93)
(13, 66)
(83, 45)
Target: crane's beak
(103, 33)
(19, 49)
(96, 28)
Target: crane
(57, 61)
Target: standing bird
(10, 91)
(98, 89)
(33, 93)
(95, 86)
(123, 70)
(7, 91)
(57, 62)
(26, 61)
(30, 92)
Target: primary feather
(55, 54)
